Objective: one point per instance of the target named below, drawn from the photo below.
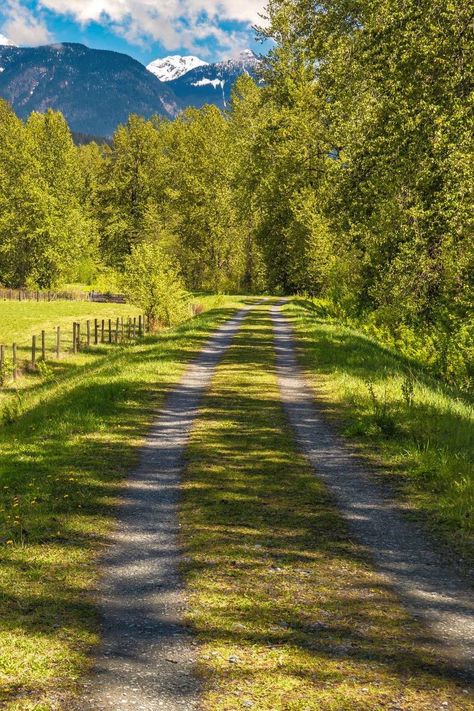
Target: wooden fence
(28, 295)
(53, 345)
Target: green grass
(21, 320)
(62, 463)
(289, 613)
(419, 431)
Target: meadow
(21, 320)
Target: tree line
(346, 172)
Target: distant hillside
(82, 139)
(94, 89)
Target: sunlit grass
(21, 320)
(62, 463)
(422, 431)
(289, 612)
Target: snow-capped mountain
(5, 42)
(96, 90)
(212, 83)
(175, 66)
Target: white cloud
(22, 27)
(174, 23)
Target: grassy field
(21, 320)
(62, 461)
(289, 613)
(421, 432)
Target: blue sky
(146, 29)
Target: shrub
(151, 282)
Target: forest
(345, 173)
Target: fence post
(43, 345)
(140, 328)
(78, 334)
(134, 326)
(122, 328)
(102, 331)
(58, 342)
(74, 339)
(88, 336)
(2, 359)
(117, 324)
(33, 352)
(96, 331)
(110, 330)
(129, 327)
(14, 360)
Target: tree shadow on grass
(271, 566)
(62, 466)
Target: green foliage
(44, 231)
(366, 132)
(347, 173)
(152, 283)
(12, 409)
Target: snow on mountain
(212, 83)
(244, 57)
(204, 82)
(5, 42)
(175, 66)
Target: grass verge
(289, 613)
(421, 432)
(62, 461)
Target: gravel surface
(147, 655)
(400, 549)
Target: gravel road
(147, 655)
(400, 549)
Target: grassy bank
(62, 462)
(289, 613)
(420, 431)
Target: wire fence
(28, 295)
(54, 344)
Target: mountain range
(212, 83)
(97, 90)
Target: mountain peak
(245, 54)
(244, 59)
(174, 66)
(5, 42)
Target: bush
(152, 282)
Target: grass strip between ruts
(288, 610)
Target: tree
(126, 185)
(152, 283)
(65, 235)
